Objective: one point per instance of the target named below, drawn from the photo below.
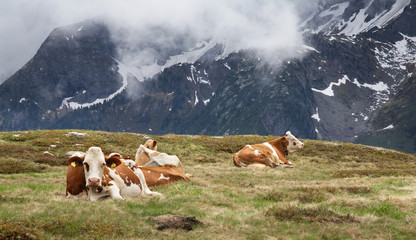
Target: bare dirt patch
(176, 222)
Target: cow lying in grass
(97, 177)
(154, 176)
(268, 154)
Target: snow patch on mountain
(122, 70)
(146, 72)
(196, 98)
(196, 76)
(379, 87)
(316, 115)
(334, 21)
(328, 91)
(309, 48)
(388, 127)
(357, 23)
(394, 57)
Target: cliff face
(393, 125)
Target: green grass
(335, 191)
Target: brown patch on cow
(75, 180)
(152, 175)
(281, 152)
(142, 159)
(127, 175)
(176, 222)
(106, 179)
(155, 154)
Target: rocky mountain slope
(352, 83)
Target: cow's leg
(114, 192)
(266, 161)
(257, 165)
(237, 162)
(287, 165)
(145, 188)
(93, 195)
(284, 161)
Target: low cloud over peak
(264, 25)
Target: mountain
(353, 82)
(394, 123)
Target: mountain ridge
(336, 91)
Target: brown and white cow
(103, 177)
(268, 154)
(141, 157)
(156, 159)
(156, 176)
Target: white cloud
(265, 25)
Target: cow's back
(142, 159)
(156, 176)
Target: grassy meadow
(336, 191)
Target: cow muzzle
(94, 182)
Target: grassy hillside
(335, 191)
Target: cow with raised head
(142, 157)
(269, 154)
(104, 177)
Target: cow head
(293, 143)
(151, 144)
(94, 164)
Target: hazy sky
(263, 24)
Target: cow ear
(75, 161)
(286, 142)
(113, 161)
(154, 144)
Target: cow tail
(236, 161)
(181, 166)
